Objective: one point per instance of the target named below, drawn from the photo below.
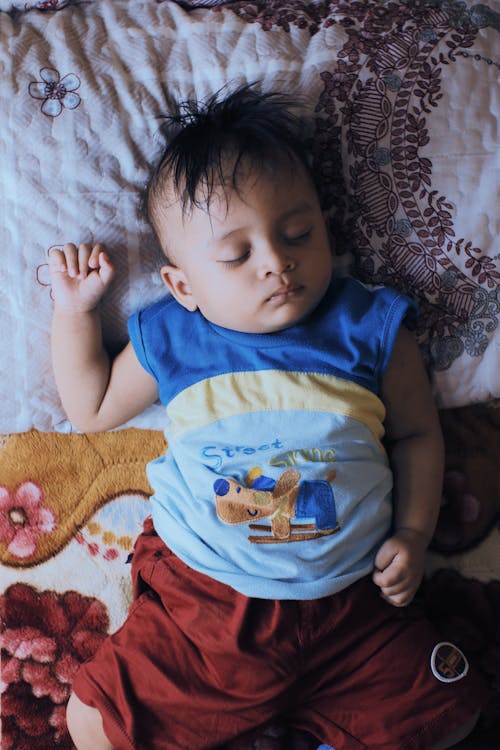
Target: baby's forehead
(211, 200)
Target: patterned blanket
(409, 176)
(71, 506)
(408, 173)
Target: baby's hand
(79, 276)
(400, 566)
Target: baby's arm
(417, 457)
(96, 393)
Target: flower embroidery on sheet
(42, 272)
(23, 519)
(392, 226)
(55, 91)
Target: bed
(404, 105)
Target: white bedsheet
(81, 91)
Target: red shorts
(197, 664)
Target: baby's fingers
(91, 258)
(70, 252)
(393, 575)
(84, 255)
(399, 598)
(68, 259)
(76, 262)
(95, 254)
(398, 589)
(57, 260)
(64, 259)
(106, 268)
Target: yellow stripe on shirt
(237, 393)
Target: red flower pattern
(45, 637)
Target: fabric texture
(349, 669)
(408, 175)
(66, 586)
(403, 100)
(276, 481)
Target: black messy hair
(208, 141)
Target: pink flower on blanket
(55, 91)
(23, 518)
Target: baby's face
(259, 261)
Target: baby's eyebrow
(227, 235)
(301, 208)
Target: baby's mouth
(283, 293)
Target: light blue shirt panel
(184, 507)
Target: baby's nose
(276, 260)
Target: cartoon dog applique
(288, 499)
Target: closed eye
(233, 262)
(298, 239)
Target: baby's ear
(176, 281)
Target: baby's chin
(270, 327)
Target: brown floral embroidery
(373, 117)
